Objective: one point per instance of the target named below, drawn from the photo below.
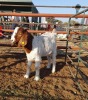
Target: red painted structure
(1, 34)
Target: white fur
(43, 45)
(14, 33)
(62, 36)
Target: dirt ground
(58, 86)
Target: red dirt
(57, 86)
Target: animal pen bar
(39, 31)
(69, 32)
(42, 15)
(42, 6)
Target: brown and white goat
(36, 47)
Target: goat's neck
(28, 47)
(26, 50)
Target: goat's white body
(43, 45)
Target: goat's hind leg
(28, 69)
(49, 61)
(54, 59)
(53, 63)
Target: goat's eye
(19, 33)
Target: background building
(19, 5)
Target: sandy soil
(58, 86)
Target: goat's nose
(11, 41)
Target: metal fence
(82, 50)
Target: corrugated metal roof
(15, 0)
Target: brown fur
(24, 39)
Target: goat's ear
(23, 41)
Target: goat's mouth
(14, 43)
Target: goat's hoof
(48, 67)
(26, 76)
(53, 71)
(36, 78)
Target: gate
(81, 50)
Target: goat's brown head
(19, 36)
(22, 38)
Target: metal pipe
(41, 15)
(41, 31)
(41, 6)
(79, 13)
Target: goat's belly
(37, 53)
(45, 51)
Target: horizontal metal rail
(41, 6)
(41, 15)
(79, 13)
(83, 48)
(34, 23)
(42, 31)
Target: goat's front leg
(28, 69)
(37, 68)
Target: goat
(35, 48)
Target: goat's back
(45, 43)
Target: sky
(59, 3)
